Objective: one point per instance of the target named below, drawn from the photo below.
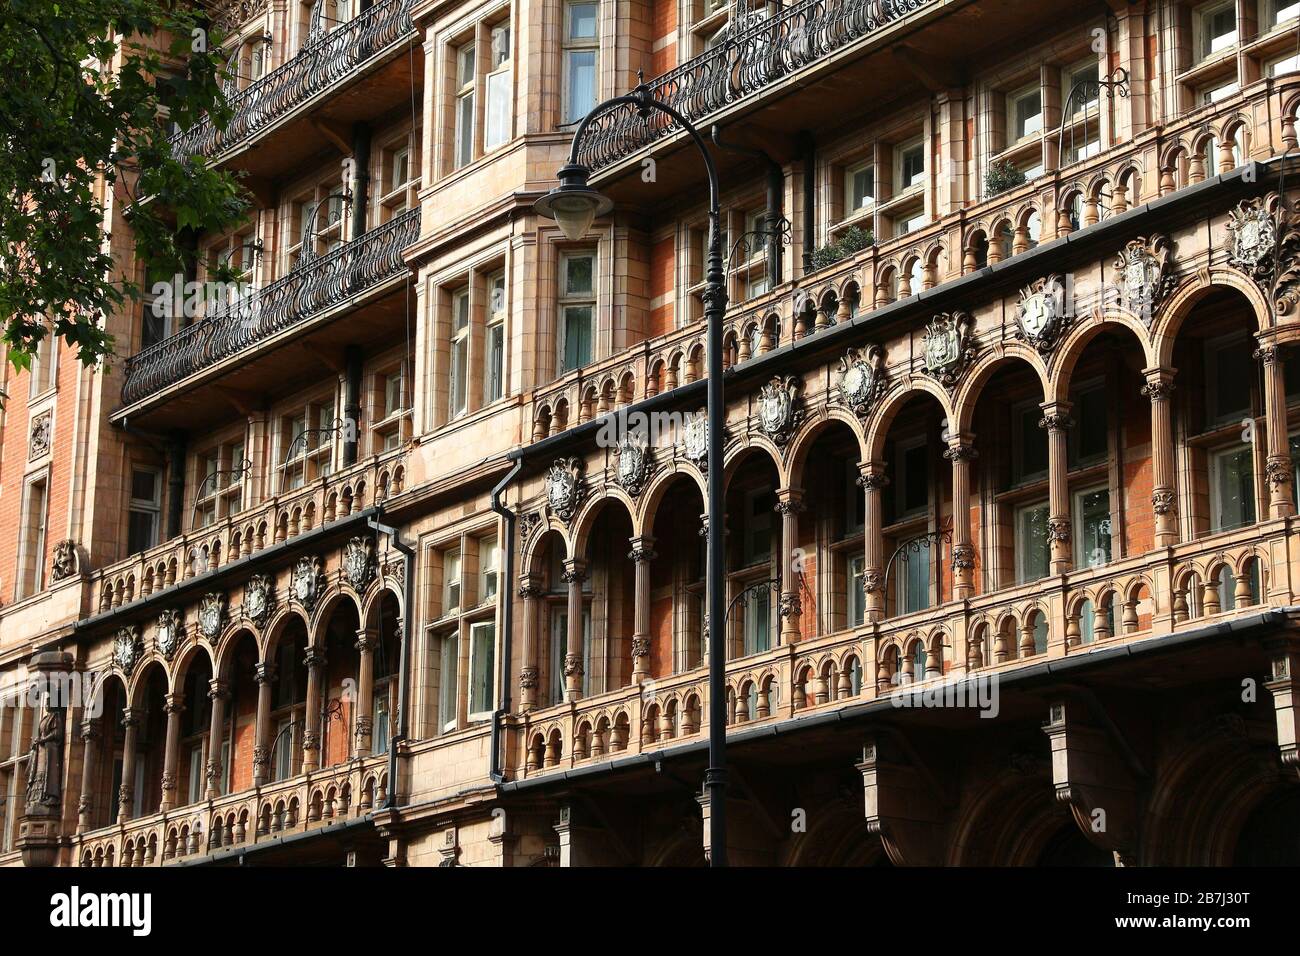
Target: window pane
(581, 75)
(577, 275)
(862, 188)
(464, 129)
(497, 130)
(1232, 370)
(1092, 518)
(916, 580)
(1031, 543)
(447, 681)
(916, 480)
(1033, 444)
(1090, 418)
(577, 336)
(857, 603)
(482, 644)
(1234, 480)
(582, 21)
(1029, 114)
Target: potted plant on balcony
(854, 239)
(1001, 176)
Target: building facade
(393, 554)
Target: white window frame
(498, 105)
(1205, 46)
(485, 708)
(900, 153)
(1014, 100)
(851, 173)
(571, 46)
(494, 360)
(466, 105)
(458, 358)
(567, 300)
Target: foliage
(88, 88)
(854, 239)
(1000, 177)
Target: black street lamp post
(574, 205)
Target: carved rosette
(259, 599)
(1042, 313)
(212, 612)
(1163, 502)
(359, 562)
(949, 347)
(167, 633)
(306, 582)
(862, 379)
(1143, 275)
(780, 408)
(127, 648)
(564, 488)
(635, 464)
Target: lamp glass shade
(574, 213)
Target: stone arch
(1003, 353)
(224, 658)
(734, 456)
(1076, 340)
(185, 657)
(275, 627)
(664, 478)
(906, 388)
(531, 560)
(592, 508)
(806, 438)
(1178, 307)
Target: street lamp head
(573, 204)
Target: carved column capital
(573, 665)
(1056, 416)
(871, 475)
(961, 451)
(264, 673)
(174, 704)
(219, 689)
(528, 677)
(1159, 384)
(314, 657)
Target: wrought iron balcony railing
(308, 290)
(326, 57)
(760, 51)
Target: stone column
(575, 572)
(1164, 500)
(530, 590)
(1278, 466)
(1056, 419)
(173, 707)
(264, 674)
(365, 691)
(642, 554)
(789, 502)
(218, 693)
(873, 482)
(315, 661)
(90, 734)
(961, 453)
(131, 722)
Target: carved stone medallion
(1252, 236)
(1143, 275)
(305, 583)
(167, 633)
(212, 611)
(1041, 313)
(259, 599)
(949, 346)
(634, 465)
(695, 439)
(779, 411)
(862, 378)
(127, 648)
(64, 560)
(564, 488)
(39, 442)
(359, 562)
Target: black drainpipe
(361, 174)
(175, 483)
(506, 591)
(408, 603)
(352, 404)
(807, 147)
(775, 187)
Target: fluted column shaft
(264, 674)
(530, 590)
(789, 502)
(311, 742)
(218, 693)
(642, 554)
(1278, 466)
(961, 453)
(90, 731)
(1164, 502)
(575, 572)
(873, 482)
(365, 691)
(126, 791)
(174, 707)
(1056, 419)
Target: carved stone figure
(64, 560)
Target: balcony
(308, 802)
(676, 358)
(312, 295)
(359, 55)
(271, 521)
(1143, 598)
